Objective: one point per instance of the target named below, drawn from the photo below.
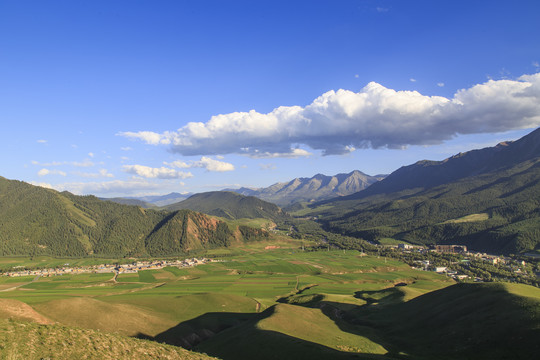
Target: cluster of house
(455, 249)
(107, 268)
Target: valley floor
(274, 301)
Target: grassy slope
(464, 321)
(24, 340)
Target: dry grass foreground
(28, 340)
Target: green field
(305, 302)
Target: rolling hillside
(463, 321)
(36, 221)
(486, 199)
(25, 340)
(316, 188)
(230, 205)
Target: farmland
(300, 299)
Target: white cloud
(42, 141)
(54, 163)
(126, 148)
(375, 117)
(205, 162)
(293, 153)
(85, 163)
(149, 137)
(441, 84)
(102, 173)
(42, 184)
(214, 165)
(153, 173)
(44, 172)
(91, 154)
(109, 187)
(412, 80)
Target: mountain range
(488, 199)
(40, 221)
(316, 188)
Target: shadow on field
(249, 341)
(462, 321)
(384, 296)
(190, 333)
(232, 336)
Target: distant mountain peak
(316, 188)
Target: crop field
(257, 292)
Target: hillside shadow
(190, 333)
(384, 296)
(236, 336)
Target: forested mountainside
(316, 188)
(35, 220)
(487, 199)
(230, 205)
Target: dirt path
(18, 286)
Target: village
(461, 264)
(106, 268)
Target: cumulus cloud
(44, 172)
(42, 184)
(205, 162)
(156, 173)
(375, 117)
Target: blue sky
(124, 98)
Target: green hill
(231, 205)
(39, 221)
(495, 208)
(463, 321)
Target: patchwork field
(290, 302)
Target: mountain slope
(428, 174)
(497, 189)
(36, 221)
(230, 205)
(318, 187)
(464, 321)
